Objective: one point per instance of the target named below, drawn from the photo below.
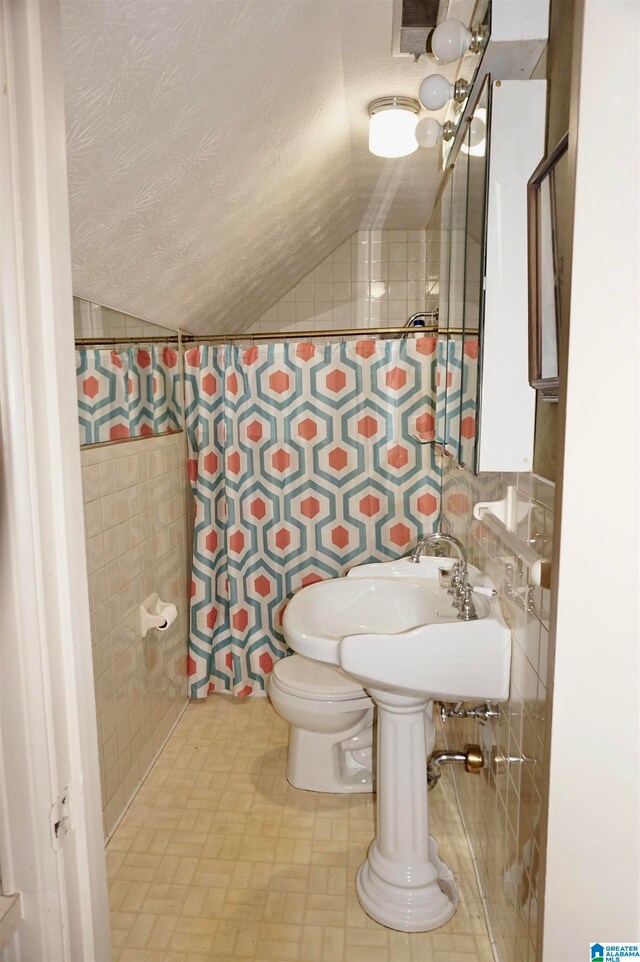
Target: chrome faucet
(439, 538)
(460, 587)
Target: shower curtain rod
(306, 335)
(271, 336)
(88, 341)
(301, 335)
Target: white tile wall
(502, 807)
(137, 543)
(94, 320)
(374, 279)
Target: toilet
(331, 718)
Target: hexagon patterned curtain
(457, 400)
(127, 394)
(305, 460)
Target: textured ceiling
(217, 149)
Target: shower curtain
(304, 460)
(457, 398)
(129, 394)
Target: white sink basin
(317, 621)
(392, 626)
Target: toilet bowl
(331, 719)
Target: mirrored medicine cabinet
(478, 238)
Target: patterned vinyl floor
(219, 859)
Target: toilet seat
(315, 681)
(331, 725)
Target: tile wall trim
(142, 437)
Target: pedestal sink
(394, 629)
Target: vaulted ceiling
(217, 149)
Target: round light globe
(477, 131)
(392, 132)
(428, 132)
(450, 40)
(435, 91)
(475, 142)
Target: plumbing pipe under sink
(471, 758)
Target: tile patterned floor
(219, 859)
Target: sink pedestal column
(402, 883)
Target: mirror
(438, 232)
(459, 220)
(127, 376)
(548, 234)
(455, 320)
(474, 148)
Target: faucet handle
(467, 607)
(481, 590)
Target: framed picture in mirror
(548, 216)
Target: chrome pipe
(481, 713)
(471, 758)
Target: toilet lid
(298, 675)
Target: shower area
(221, 475)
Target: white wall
(593, 848)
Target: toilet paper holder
(154, 613)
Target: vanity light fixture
(392, 125)
(429, 132)
(451, 40)
(435, 91)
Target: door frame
(591, 849)
(48, 728)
